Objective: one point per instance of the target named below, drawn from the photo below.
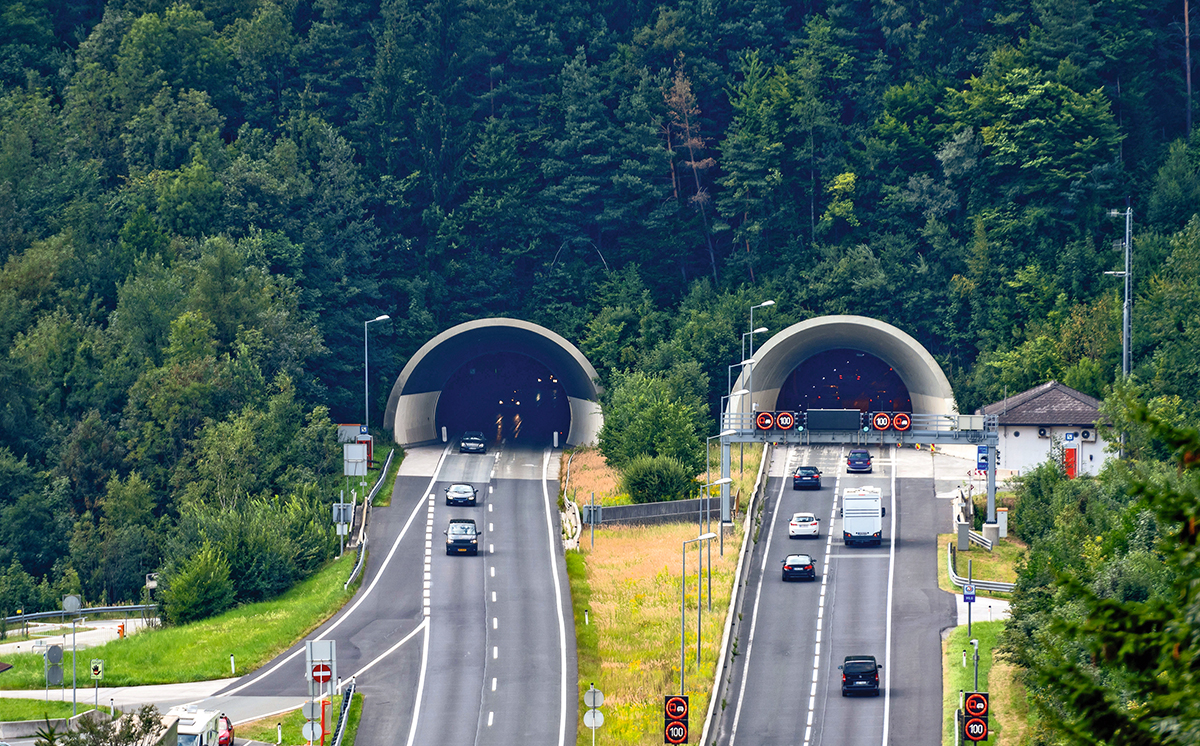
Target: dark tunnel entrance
(844, 379)
(506, 395)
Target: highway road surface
(881, 601)
(455, 650)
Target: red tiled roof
(1048, 404)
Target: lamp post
(759, 330)
(683, 611)
(975, 643)
(1126, 307)
(706, 509)
(764, 304)
(366, 374)
(747, 363)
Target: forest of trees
(200, 202)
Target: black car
(799, 567)
(461, 494)
(858, 460)
(472, 441)
(806, 477)
(462, 537)
(860, 674)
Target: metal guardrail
(362, 530)
(82, 612)
(347, 700)
(978, 538)
(983, 585)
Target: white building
(1050, 413)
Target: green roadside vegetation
(625, 594)
(13, 709)
(384, 498)
(265, 730)
(1000, 564)
(1009, 708)
(253, 634)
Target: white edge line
(729, 612)
(562, 625)
(362, 596)
(412, 729)
(887, 654)
(386, 653)
(737, 714)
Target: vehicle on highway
(224, 731)
(799, 567)
(862, 515)
(858, 460)
(461, 494)
(804, 524)
(196, 727)
(860, 675)
(472, 441)
(806, 477)
(462, 537)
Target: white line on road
(424, 623)
(493, 684)
(412, 729)
(887, 647)
(562, 624)
(812, 699)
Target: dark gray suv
(860, 675)
(462, 537)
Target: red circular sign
(764, 420)
(677, 707)
(901, 421)
(676, 732)
(881, 420)
(976, 729)
(321, 673)
(976, 704)
(785, 420)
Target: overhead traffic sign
(785, 420)
(764, 420)
(901, 421)
(881, 421)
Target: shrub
(653, 478)
(199, 589)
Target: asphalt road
(785, 686)
(454, 649)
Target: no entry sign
(322, 673)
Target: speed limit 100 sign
(976, 729)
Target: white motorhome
(196, 727)
(862, 515)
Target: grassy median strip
(267, 730)
(999, 565)
(254, 634)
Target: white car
(804, 524)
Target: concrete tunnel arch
(411, 413)
(927, 384)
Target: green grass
(293, 724)
(384, 498)
(254, 634)
(14, 710)
(999, 564)
(957, 677)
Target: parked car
(804, 524)
(806, 477)
(799, 567)
(860, 675)
(462, 537)
(461, 494)
(472, 441)
(858, 460)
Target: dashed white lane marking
(493, 684)
(490, 715)
(426, 608)
(493, 597)
(816, 676)
(495, 653)
(495, 623)
(490, 528)
(493, 571)
(491, 548)
(489, 507)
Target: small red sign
(977, 702)
(881, 421)
(901, 421)
(785, 420)
(321, 673)
(764, 420)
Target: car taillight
(876, 677)
(787, 567)
(808, 567)
(843, 678)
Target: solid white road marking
(412, 730)
(887, 647)
(558, 597)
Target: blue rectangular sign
(981, 458)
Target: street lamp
(725, 402)
(706, 508)
(366, 375)
(1128, 275)
(759, 330)
(764, 304)
(682, 611)
(976, 644)
(747, 363)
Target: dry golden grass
(590, 473)
(1009, 703)
(630, 583)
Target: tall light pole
(764, 304)
(751, 333)
(706, 514)
(683, 611)
(1128, 275)
(366, 372)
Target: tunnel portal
(844, 379)
(507, 396)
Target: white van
(196, 727)
(862, 515)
